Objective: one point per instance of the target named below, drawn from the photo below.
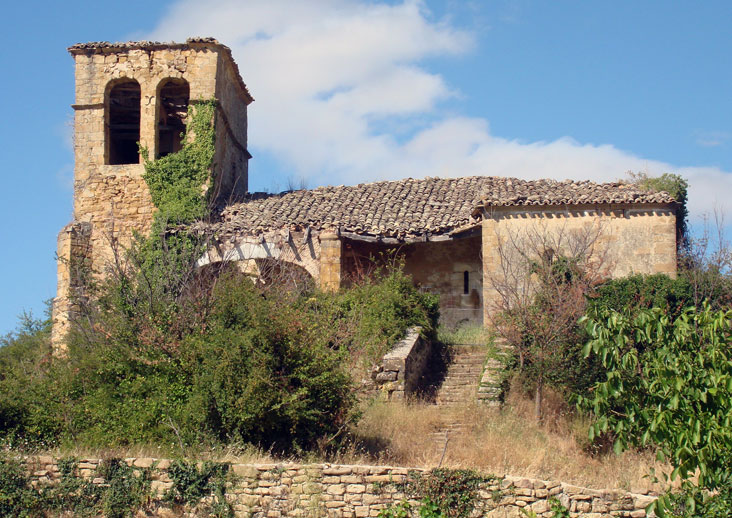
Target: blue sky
(351, 90)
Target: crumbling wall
(402, 370)
(347, 491)
(254, 254)
(113, 198)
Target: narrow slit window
(123, 129)
(466, 283)
(172, 111)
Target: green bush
(192, 484)
(252, 370)
(637, 292)
(17, 497)
(29, 395)
(446, 492)
(219, 362)
(371, 316)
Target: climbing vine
(124, 492)
(443, 493)
(178, 181)
(194, 483)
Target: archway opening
(173, 100)
(123, 128)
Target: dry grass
(466, 334)
(246, 454)
(502, 442)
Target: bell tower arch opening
(173, 98)
(123, 122)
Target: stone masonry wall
(114, 199)
(632, 239)
(402, 369)
(343, 491)
(331, 250)
(298, 250)
(438, 267)
(73, 260)
(231, 160)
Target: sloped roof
(414, 207)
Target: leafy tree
(668, 385)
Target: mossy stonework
(348, 491)
(121, 100)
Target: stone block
(540, 507)
(336, 489)
(247, 472)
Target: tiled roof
(95, 47)
(414, 207)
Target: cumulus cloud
(343, 95)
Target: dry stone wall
(402, 369)
(347, 491)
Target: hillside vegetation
(188, 361)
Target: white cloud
(334, 80)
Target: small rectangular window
(466, 283)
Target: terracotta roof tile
(413, 207)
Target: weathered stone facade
(110, 196)
(446, 230)
(347, 491)
(631, 238)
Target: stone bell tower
(139, 92)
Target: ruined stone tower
(139, 92)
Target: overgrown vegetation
(164, 352)
(543, 279)
(201, 487)
(113, 490)
(453, 491)
(442, 493)
(122, 492)
(179, 182)
(230, 364)
(669, 385)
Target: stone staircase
(463, 375)
(472, 377)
